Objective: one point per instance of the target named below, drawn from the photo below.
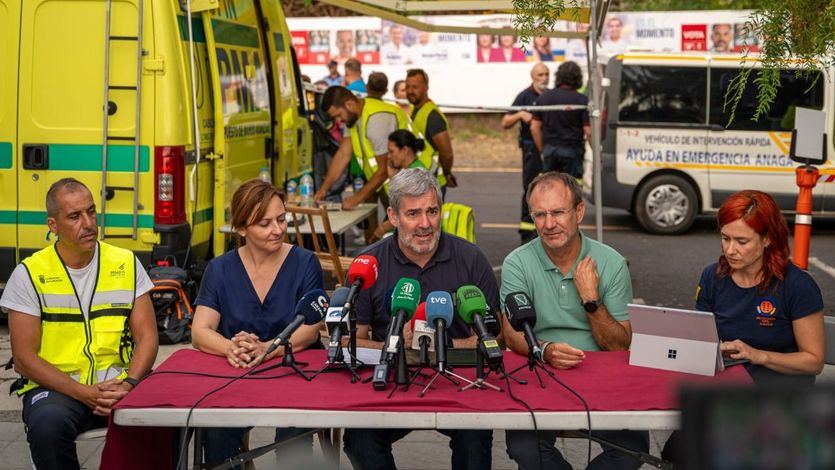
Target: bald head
(539, 77)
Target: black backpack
(171, 303)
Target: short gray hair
(412, 182)
(552, 177)
(70, 185)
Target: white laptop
(674, 339)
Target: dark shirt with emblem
(456, 263)
(562, 127)
(526, 97)
(761, 319)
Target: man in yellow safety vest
(82, 328)
(370, 122)
(430, 124)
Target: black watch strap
(132, 381)
(592, 305)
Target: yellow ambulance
(113, 93)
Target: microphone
(421, 328)
(310, 310)
(471, 308)
(404, 302)
(362, 274)
(335, 322)
(494, 326)
(522, 317)
(380, 375)
(421, 338)
(439, 313)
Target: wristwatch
(133, 382)
(592, 305)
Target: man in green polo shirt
(580, 289)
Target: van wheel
(666, 205)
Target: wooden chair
(329, 255)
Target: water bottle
(358, 184)
(264, 175)
(306, 189)
(292, 191)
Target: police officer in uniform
(531, 160)
(82, 328)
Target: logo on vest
(47, 279)
(766, 311)
(119, 272)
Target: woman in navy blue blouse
(248, 296)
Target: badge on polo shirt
(766, 311)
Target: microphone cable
(588, 415)
(533, 417)
(252, 370)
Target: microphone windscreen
(471, 302)
(519, 308)
(439, 305)
(364, 267)
(313, 306)
(339, 297)
(420, 314)
(406, 296)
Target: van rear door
(749, 154)
(9, 33)
(61, 110)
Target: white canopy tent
(401, 11)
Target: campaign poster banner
(301, 45)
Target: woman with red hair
(768, 311)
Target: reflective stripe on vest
(429, 156)
(89, 349)
(361, 145)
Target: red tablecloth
(604, 379)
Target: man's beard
(352, 119)
(407, 240)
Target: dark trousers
(531, 167)
(370, 449)
(221, 444)
(564, 158)
(528, 451)
(53, 421)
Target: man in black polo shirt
(559, 135)
(439, 261)
(531, 159)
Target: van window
(794, 91)
(663, 94)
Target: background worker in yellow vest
(430, 124)
(73, 309)
(370, 122)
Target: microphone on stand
(336, 323)
(439, 314)
(404, 301)
(522, 317)
(309, 311)
(471, 308)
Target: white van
(669, 154)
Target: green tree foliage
(672, 5)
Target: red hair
(760, 212)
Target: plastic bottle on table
(292, 191)
(306, 189)
(358, 184)
(264, 175)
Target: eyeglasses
(557, 214)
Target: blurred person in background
(353, 76)
(531, 159)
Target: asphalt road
(665, 269)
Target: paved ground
(664, 270)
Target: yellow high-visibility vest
(100, 345)
(429, 155)
(361, 145)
